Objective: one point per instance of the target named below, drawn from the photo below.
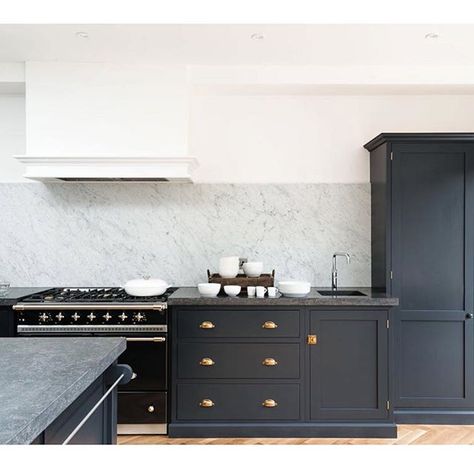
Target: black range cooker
(112, 312)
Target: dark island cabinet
(349, 365)
(304, 371)
(423, 253)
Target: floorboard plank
(407, 434)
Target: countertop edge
(389, 302)
(30, 432)
(189, 296)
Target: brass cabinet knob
(151, 409)
(269, 361)
(206, 361)
(206, 403)
(269, 403)
(269, 325)
(207, 325)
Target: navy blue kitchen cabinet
(6, 322)
(423, 253)
(279, 372)
(349, 365)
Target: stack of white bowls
(229, 267)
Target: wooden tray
(265, 279)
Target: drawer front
(238, 360)
(141, 407)
(238, 323)
(241, 402)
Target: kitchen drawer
(141, 407)
(242, 402)
(238, 323)
(238, 360)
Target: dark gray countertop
(16, 292)
(41, 377)
(191, 296)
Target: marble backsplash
(103, 234)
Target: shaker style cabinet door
(432, 264)
(349, 365)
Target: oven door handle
(146, 339)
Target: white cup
(260, 290)
(251, 291)
(272, 291)
(229, 267)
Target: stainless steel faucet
(334, 267)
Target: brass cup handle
(151, 409)
(269, 325)
(269, 403)
(269, 362)
(206, 361)
(207, 325)
(206, 403)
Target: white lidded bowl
(294, 288)
(253, 269)
(232, 290)
(146, 287)
(209, 289)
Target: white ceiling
(227, 45)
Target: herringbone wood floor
(407, 434)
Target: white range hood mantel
(108, 168)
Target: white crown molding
(108, 168)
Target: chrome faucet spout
(334, 267)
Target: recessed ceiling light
(257, 36)
(82, 34)
(431, 36)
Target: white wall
(12, 136)
(87, 108)
(292, 135)
(300, 138)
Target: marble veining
(98, 234)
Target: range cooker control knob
(107, 317)
(75, 317)
(91, 317)
(60, 316)
(139, 317)
(43, 317)
(123, 317)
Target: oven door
(147, 356)
(142, 403)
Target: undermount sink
(341, 293)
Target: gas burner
(93, 295)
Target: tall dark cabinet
(423, 253)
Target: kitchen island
(315, 366)
(49, 385)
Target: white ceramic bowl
(209, 289)
(229, 267)
(253, 269)
(294, 288)
(232, 290)
(146, 287)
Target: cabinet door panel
(348, 365)
(432, 262)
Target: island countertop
(190, 296)
(41, 377)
